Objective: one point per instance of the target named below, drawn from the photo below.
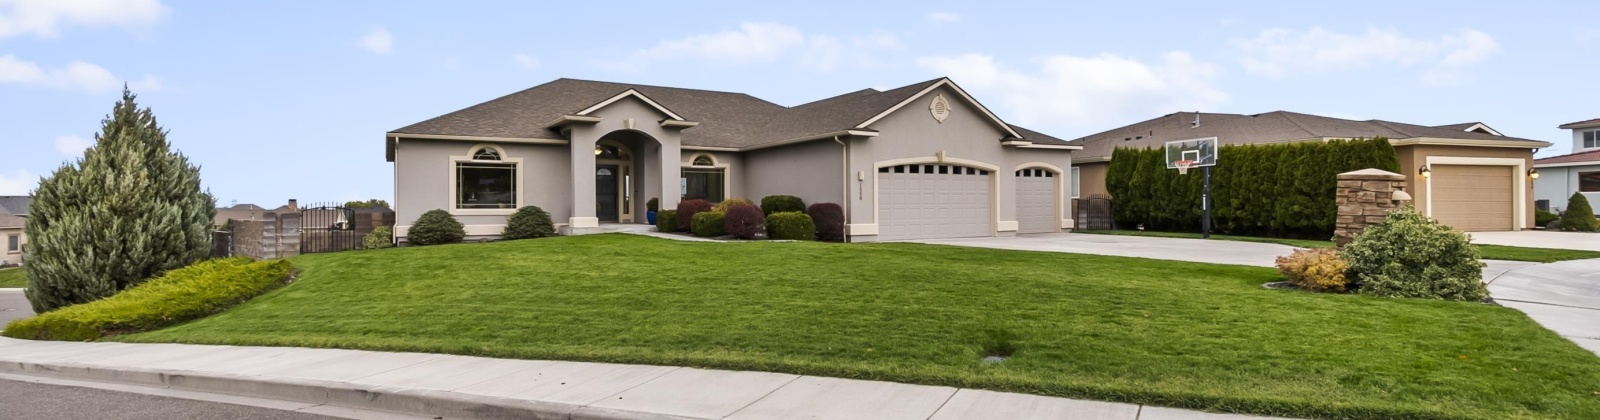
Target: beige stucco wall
(5, 241)
(422, 181)
(812, 171)
(1412, 158)
(1091, 181)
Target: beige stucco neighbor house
(920, 161)
(13, 239)
(1479, 179)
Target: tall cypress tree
(129, 210)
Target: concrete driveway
(1177, 249)
(1540, 239)
(1563, 296)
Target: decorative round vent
(940, 108)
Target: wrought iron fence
(328, 227)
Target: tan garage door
(1473, 198)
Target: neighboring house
(920, 161)
(1479, 178)
(238, 211)
(1579, 171)
(13, 239)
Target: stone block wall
(1364, 198)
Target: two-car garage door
(1473, 198)
(925, 201)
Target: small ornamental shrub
(708, 224)
(729, 203)
(436, 227)
(1319, 269)
(201, 289)
(745, 222)
(653, 205)
(529, 222)
(780, 203)
(687, 210)
(829, 219)
(1411, 255)
(791, 225)
(379, 238)
(1579, 217)
(667, 221)
(1544, 217)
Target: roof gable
(633, 94)
(935, 86)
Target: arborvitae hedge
(1284, 190)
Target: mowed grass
(1106, 328)
(1490, 252)
(14, 277)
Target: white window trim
(1519, 190)
(727, 173)
(504, 158)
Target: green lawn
(1490, 252)
(13, 277)
(1106, 328)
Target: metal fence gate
(328, 227)
(1094, 213)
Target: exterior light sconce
(1533, 174)
(598, 150)
(1424, 171)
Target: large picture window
(703, 183)
(485, 181)
(1589, 181)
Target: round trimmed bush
(436, 227)
(1579, 216)
(667, 221)
(686, 211)
(529, 222)
(708, 224)
(829, 219)
(745, 222)
(730, 203)
(653, 205)
(379, 238)
(1411, 255)
(791, 225)
(781, 203)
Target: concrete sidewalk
(1563, 296)
(475, 387)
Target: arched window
(485, 180)
(486, 153)
(703, 160)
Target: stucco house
(1479, 179)
(920, 161)
(13, 238)
(1579, 171)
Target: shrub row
(708, 224)
(667, 221)
(179, 295)
(791, 225)
(745, 221)
(1284, 190)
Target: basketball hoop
(1183, 166)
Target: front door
(606, 192)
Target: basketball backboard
(1196, 152)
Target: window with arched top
(485, 179)
(703, 160)
(486, 154)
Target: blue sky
(290, 99)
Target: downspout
(844, 159)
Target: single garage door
(1473, 198)
(1036, 201)
(928, 201)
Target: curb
(377, 398)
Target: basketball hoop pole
(1205, 203)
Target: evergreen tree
(129, 210)
(1579, 216)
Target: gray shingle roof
(727, 119)
(1581, 124)
(15, 204)
(1271, 127)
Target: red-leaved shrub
(829, 218)
(686, 211)
(745, 221)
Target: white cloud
(77, 75)
(755, 43)
(72, 146)
(45, 18)
(944, 17)
(1284, 53)
(20, 182)
(525, 61)
(378, 41)
(1086, 92)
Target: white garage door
(927, 201)
(1036, 201)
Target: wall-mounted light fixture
(1533, 174)
(1424, 171)
(598, 150)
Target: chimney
(293, 206)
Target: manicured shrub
(730, 203)
(436, 227)
(379, 238)
(1544, 217)
(653, 205)
(791, 225)
(708, 224)
(179, 295)
(686, 211)
(1411, 255)
(529, 222)
(780, 203)
(745, 222)
(667, 221)
(129, 210)
(829, 219)
(1319, 269)
(1579, 217)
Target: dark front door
(605, 191)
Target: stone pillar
(1364, 198)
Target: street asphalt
(33, 401)
(13, 305)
